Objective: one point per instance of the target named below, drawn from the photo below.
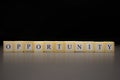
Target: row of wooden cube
(59, 46)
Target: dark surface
(68, 66)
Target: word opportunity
(59, 46)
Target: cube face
(48, 46)
(89, 47)
(38, 46)
(109, 47)
(28, 46)
(8, 46)
(69, 46)
(99, 47)
(59, 46)
(79, 46)
(18, 46)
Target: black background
(60, 20)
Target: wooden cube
(79, 46)
(8, 46)
(18, 46)
(48, 46)
(89, 46)
(28, 46)
(99, 47)
(59, 47)
(69, 46)
(38, 46)
(109, 47)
